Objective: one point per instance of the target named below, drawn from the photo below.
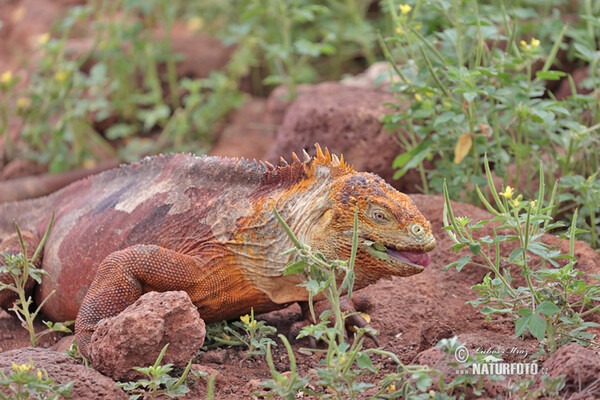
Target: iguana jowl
(206, 225)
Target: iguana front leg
(124, 276)
(12, 246)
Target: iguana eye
(379, 216)
(416, 229)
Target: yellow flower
(391, 388)
(6, 77)
(61, 76)
(43, 38)
(508, 192)
(39, 374)
(245, 318)
(15, 367)
(418, 26)
(429, 94)
(194, 24)
(418, 97)
(534, 42)
(23, 102)
(399, 31)
(405, 8)
(515, 203)
(523, 44)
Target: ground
(412, 314)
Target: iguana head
(393, 236)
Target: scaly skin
(206, 225)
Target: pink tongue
(422, 259)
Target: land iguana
(206, 225)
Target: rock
(63, 344)
(502, 345)
(432, 332)
(89, 384)
(565, 91)
(245, 135)
(137, 335)
(347, 120)
(436, 358)
(580, 365)
(379, 75)
(201, 53)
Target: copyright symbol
(461, 354)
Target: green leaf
(412, 158)
(462, 262)
(364, 362)
(475, 248)
(521, 325)
(295, 267)
(550, 75)
(537, 327)
(547, 308)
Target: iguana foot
(360, 304)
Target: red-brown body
(205, 225)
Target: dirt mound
(89, 383)
(347, 120)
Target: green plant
(255, 334)
(74, 114)
(159, 382)
(343, 364)
(74, 353)
(479, 78)
(292, 42)
(554, 300)
(418, 381)
(20, 268)
(24, 383)
(525, 389)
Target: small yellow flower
(399, 31)
(39, 374)
(195, 24)
(23, 102)
(515, 203)
(6, 77)
(61, 76)
(24, 368)
(252, 323)
(534, 42)
(418, 26)
(523, 44)
(405, 8)
(533, 203)
(245, 318)
(43, 38)
(391, 389)
(418, 97)
(15, 367)
(508, 192)
(429, 94)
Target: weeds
(552, 301)
(21, 268)
(159, 382)
(479, 79)
(24, 381)
(254, 336)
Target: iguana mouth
(412, 258)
